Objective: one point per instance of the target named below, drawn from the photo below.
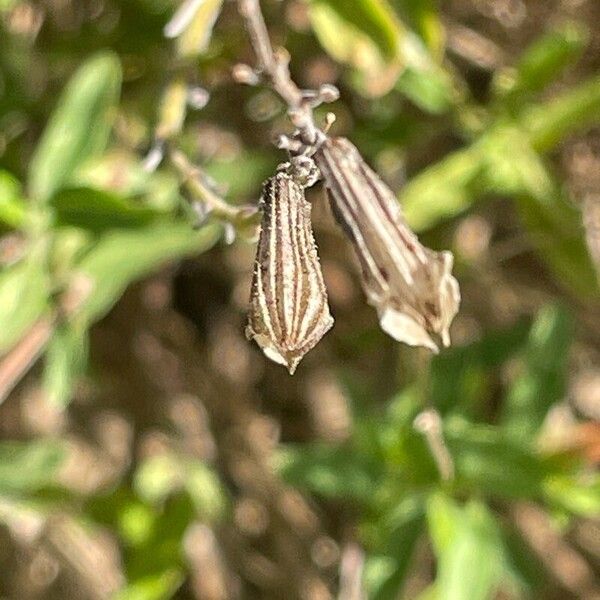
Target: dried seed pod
(411, 287)
(289, 313)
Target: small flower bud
(197, 97)
(328, 93)
(245, 74)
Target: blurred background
(148, 451)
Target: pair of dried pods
(411, 286)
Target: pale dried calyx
(411, 286)
(289, 312)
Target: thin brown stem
(195, 181)
(15, 364)
(23, 355)
(274, 65)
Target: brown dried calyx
(289, 312)
(411, 286)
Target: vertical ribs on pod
(411, 286)
(289, 312)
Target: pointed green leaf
(488, 460)
(158, 586)
(469, 549)
(443, 516)
(385, 574)
(372, 18)
(364, 34)
(542, 62)
(12, 206)
(121, 257)
(329, 471)
(454, 369)
(98, 210)
(79, 127)
(431, 89)
(443, 190)
(423, 17)
(65, 360)
(24, 297)
(578, 495)
(29, 466)
(542, 382)
(574, 110)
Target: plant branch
(274, 64)
(195, 181)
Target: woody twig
(273, 68)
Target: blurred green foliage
(87, 235)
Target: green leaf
(505, 158)
(443, 190)
(489, 461)
(468, 545)
(401, 448)
(121, 257)
(512, 166)
(12, 206)
(504, 161)
(526, 569)
(97, 210)
(385, 574)
(66, 357)
(205, 490)
(387, 568)
(470, 561)
(193, 24)
(23, 297)
(121, 173)
(158, 586)
(372, 18)
(329, 471)
(575, 494)
(430, 89)
(443, 516)
(423, 17)
(363, 34)
(542, 382)
(160, 539)
(556, 230)
(157, 477)
(79, 127)
(29, 466)
(454, 369)
(573, 111)
(515, 168)
(160, 476)
(542, 62)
